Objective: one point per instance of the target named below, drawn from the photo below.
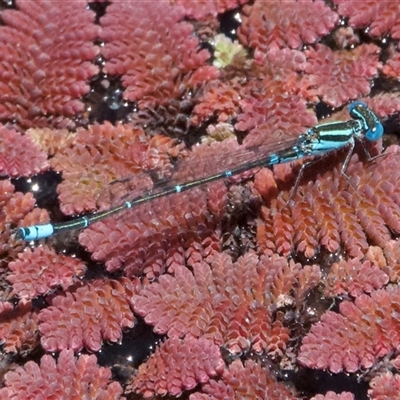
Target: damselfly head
(371, 124)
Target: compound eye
(375, 133)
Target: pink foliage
(68, 378)
(384, 104)
(273, 81)
(381, 17)
(139, 244)
(18, 327)
(199, 303)
(177, 365)
(102, 154)
(223, 265)
(247, 381)
(94, 312)
(392, 65)
(353, 277)
(15, 206)
(357, 337)
(283, 23)
(46, 61)
(156, 52)
(334, 396)
(388, 259)
(219, 98)
(39, 271)
(19, 156)
(327, 214)
(16, 210)
(179, 222)
(340, 76)
(384, 386)
(198, 9)
(267, 119)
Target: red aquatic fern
(66, 378)
(384, 386)
(384, 104)
(271, 24)
(273, 118)
(220, 99)
(154, 51)
(178, 365)
(334, 396)
(84, 318)
(16, 206)
(46, 61)
(19, 327)
(199, 9)
(330, 213)
(274, 76)
(355, 338)
(199, 303)
(52, 140)
(178, 221)
(337, 77)
(39, 271)
(354, 277)
(19, 156)
(102, 154)
(381, 17)
(392, 65)
(388, 258)
(16, 211)
(247, 381)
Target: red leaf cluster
(392, 65)
(214, 301)
(16, 210)
(283, 23)
(68, 378)
(198, 9)
(384, 386)
(357, 337)
(18, 327)
(381, 17)
(340, 76)
(219, 98)
(19, 156)
(94, 312)
(248, 381)
(46, 61)
(272, 82)
(177, 365)
(260, 305)
(330, 213)
(354, 277)
(102, 154)
(334, 396)
(154, 51)
(14, 206)
(267, 119)
(178, 222)
(384, 104)
(39, 271)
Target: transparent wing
(203, 162)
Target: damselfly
(319, 140)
